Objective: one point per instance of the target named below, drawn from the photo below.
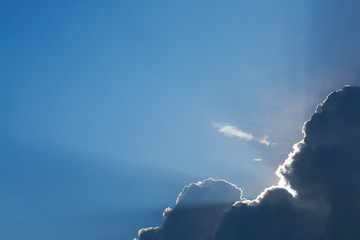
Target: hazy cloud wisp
(232, 131)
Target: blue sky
(108, 108)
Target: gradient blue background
(107, 106)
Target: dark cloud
(323, 170)
(274, 215)
(317, 197)
(198, 212)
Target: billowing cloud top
(323, 171)
(198, 212)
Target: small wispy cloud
(257, 159)
(264, 140)
(232, 131)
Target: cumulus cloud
(323, 170)
(317, 197)
(198, 212)
(232, 131)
